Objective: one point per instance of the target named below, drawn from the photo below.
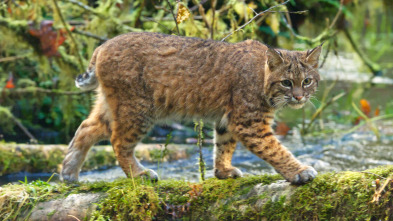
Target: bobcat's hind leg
(91, 131)
(224, 146)
(125, 137)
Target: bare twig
(213, 8)
(69, 34)
(13, 58)
(288, 18)
(24, 129)
(89, 34)
(86, 8)
(321, 109)
(195, 17)
(195, 7)
(174, 17)
(326, 55)
(45, 91)
(137, 22)
(337, 15)
(378, 193)
(199, 129)
(374, 68)
(201, 11)
(152, 20)
(76, 218)
(269, 9)
(256, 13)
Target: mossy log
(16, 158)
(332, 196)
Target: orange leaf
(365, 107)
(50, 39)
(282, 129)
(376, 113)
(10, 84)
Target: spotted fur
(144, 78)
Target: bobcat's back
(182, 76)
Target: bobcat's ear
(312, 56)
(274, 58)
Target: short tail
(88, 80)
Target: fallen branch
(374, 68)
(24, 129)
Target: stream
(355, 151)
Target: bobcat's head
(291, 77)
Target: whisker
(310, 102)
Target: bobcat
(144, 78)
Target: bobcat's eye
(307, 81)
(286, 83)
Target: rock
(68, 209)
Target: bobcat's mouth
(296, 105)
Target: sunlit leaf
(240, 9)
(274, 22)
(244, 10)
(182, 13)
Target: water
(355, 151)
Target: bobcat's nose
(298, 97)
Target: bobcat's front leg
(257, 135)
(224, 146)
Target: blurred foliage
(37, 50)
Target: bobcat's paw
(150, 174)
(232, 172)
(68, 177)
(304, 176)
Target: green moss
(336, 196)
(6, 122)
(34, 159)
(331, 196)
(48, 158)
